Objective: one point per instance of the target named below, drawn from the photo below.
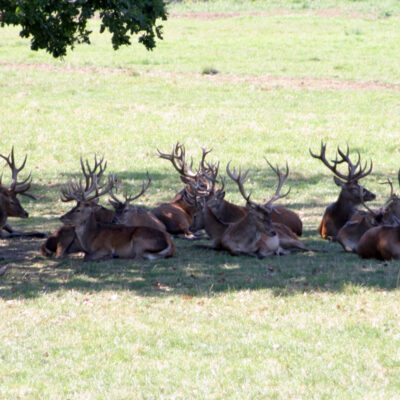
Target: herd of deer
(257, 229)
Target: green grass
(203, 324)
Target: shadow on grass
(193, 271)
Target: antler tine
(71, 191)
(205, 152)
(89, 172)
(145, 186)
(281, 180)
(364, 171)
(239, 179)
(10, 159)
(390, 183)
(75, 190)
(333, 167)
(177, 158)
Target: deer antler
(281, 180)
(97, 170)
(127, 198)
(355, 171)
(18, 187)
(178, 160)
(76, 191)
(239, 178)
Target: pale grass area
(205, 325)
(120, 345)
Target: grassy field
(206, 325)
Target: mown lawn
(204, 324)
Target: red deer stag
(9, 203)
(100, 241)
(218, 214)
(252, 234)
(64, 241)
(383, 242)
(351, 232)
(339, 212)
(177, 215)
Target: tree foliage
(55, 25)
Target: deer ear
(339, 182)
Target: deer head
(8, 196)
(86, 194)
(391, 209)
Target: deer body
(64, 240)
(381, 242)
(351, 194)
(177, 217)
(110, 240)
(252, 235)
(351, 232)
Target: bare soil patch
(326, 13)
(264, 82)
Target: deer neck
(344, 208)
(86, 232)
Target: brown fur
(381, 242)
(101, 241)
(64, 241)
(177, 216)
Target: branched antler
(117, 203)
(355, 171)
(18, 187)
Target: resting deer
(64, 241)
(127, 214)
(217, 214)
(229, 212)
(178, 215)
(100, 241)
(339, 212)
(351, 232)
(248, 230)
(9, 203)
(383, 242)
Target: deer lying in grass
(341, 211)
(383, 241)
(9, 203)
(246, 230)
(178, 215)
(350, 234)
(218, 215)
(64, 241)
(100, 241)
